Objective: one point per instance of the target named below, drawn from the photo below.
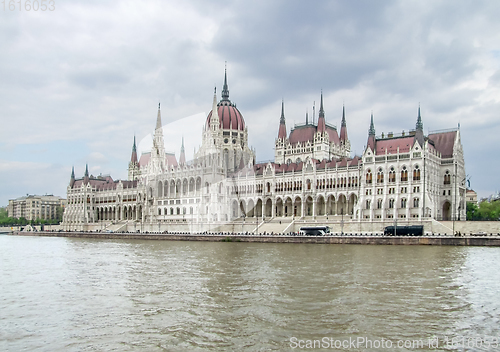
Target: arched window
(391, 203)
(379, 204)
(404, 174)
(380, 176)
(447, 178)
(416, 202)
(416, 173)
(403, 203)
(367, 204)
(392, 175)
(369, 176)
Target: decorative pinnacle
(420, 125)
(225, 89)
(343, 115)
(282, 118)
(86, 170)
(73, 172)
(321, 111)
(372, 127)
(134, 149)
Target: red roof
(171, 160)
(392, 144)
(444, 142)
(144, 160)
(229, 116)
(306, 133)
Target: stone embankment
(269, 238)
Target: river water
(67, 294)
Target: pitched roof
(444, 142)
(306, 133)
(392, 144)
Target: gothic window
(404, 174)
(447, 178)
(369, 176)
(391, 203)
(416, 173)
(403, 203)
(367, 204)
(380, 176)
(379, 204)
(392, 175)
(416, 202)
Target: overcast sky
(77, 83)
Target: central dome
(229, 116)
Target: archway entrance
(446, 211)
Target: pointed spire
(225, 89)
(282, 129)
(321, 111)
(133, 158)
(321, 118)
(307, 118)
(214, 118)
(420, 125)
(371, 135)
(419, 130)
(371, 132)
(86, 170)
(282, 118)
(158, 118)
(182, 157)
(343, 128)
(343, 115)
(72, 179)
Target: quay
(357, 238)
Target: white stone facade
(408, 177)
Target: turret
(282, 129)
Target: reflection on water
(60, 294)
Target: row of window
(416, 203)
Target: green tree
(486, 211)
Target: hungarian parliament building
(403, 178)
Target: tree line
(5, 220)
(485, 211)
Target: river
(69, 294)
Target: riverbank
(334, 239)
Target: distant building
(32, 207)
(471, 196)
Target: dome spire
(225, 89)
